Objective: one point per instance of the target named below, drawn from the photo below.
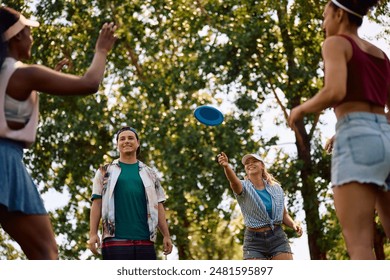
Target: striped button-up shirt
(253, 208)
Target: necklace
(260, 186)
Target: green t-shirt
(130, 205)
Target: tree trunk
(183, 244)
(309, 194)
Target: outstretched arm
(40, 78)
(235, 183)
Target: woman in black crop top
(357, 85)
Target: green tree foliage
(171, 57)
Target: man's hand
(94, 244)
(167, 242)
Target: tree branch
(134, 61)
(203, 10)
(284, 109)
(133, 56)
(316, 119)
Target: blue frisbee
(208, 115)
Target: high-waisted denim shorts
(362, 150)
(265, 245)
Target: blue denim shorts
(362, 150)
(265, 245)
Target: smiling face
(20, 44)
(127, 142)
(253, 166)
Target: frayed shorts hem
(269, 257)
(380, 185)
(361, 150)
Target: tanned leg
(33, 233)
(355, 205)
(383, 208)
(283, 256)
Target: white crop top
(17, 111)
(26, 111)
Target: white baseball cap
(256, 156)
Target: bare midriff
(356, 106)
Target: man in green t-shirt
(127, 196)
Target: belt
(115, 243)
(262, 229)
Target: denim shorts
(362, 150)
(265, 245)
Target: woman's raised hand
(223, 159)
(106, 38)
